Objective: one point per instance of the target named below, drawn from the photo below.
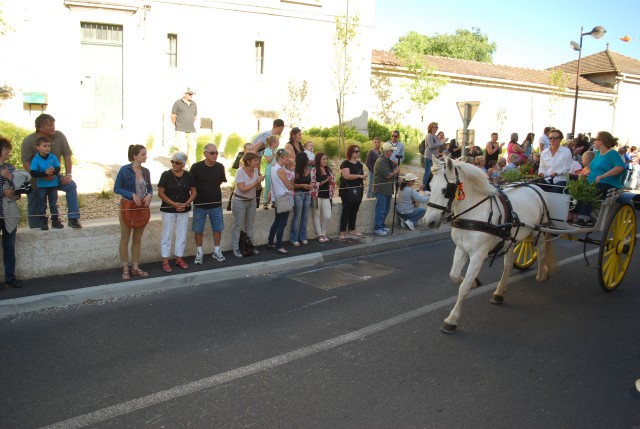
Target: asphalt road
(273, 352)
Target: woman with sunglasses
(177, 191)
(351, 190)
(280, 186)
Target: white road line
(215, 380)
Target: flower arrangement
(584, 191)
(520, 174)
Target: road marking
(263, 365)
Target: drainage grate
(342, 275)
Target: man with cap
(384, 174)
(409, 214)
(183, 116)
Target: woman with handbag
(351, 190)
(177, 191)
(323, 186)
(133, 184)
(281, 189)
(248, 179)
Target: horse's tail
(550, 260)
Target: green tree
(463, 44)
(558, 81)
(345, 47)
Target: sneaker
(199, 259)
(305, 242)
(410, 225)
(218, 256)
(380, 232)
(14, 283)
(386, 229)
(74, 223)
(237, 254)
(44, 226)
(56, 224)
(256, 252)
(294, 243)
(403, 224)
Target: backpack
(245, 244)
(423, 146)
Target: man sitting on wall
(46, 127)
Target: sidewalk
(64, 290)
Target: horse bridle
(449, 192)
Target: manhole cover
(342, 275)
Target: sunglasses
(356, 151)
(176, 162)
(395, 135)
(211, 153)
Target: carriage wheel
(616, 247)
(524, 254)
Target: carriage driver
(555, 163)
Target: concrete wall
(504, 109)
(95, 246)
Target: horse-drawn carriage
(520, 221)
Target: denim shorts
(200, 217)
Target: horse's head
(444, 185)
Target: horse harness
(502, 230)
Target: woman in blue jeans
(409, 214)
(301, 201)
(280, 186)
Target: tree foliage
(463, 44)
(297, 103)
(345, 45)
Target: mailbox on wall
(38, 98)
(30, 99)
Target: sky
(532, 34)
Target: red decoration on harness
(460, 192)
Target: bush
(349, 133)
(376, 129)
(150, 142)
(330, 147)
(364, 150)
(15, 135)
(233, 145)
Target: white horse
(481, 220)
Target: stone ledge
(94, 247)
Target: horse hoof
(496, 299)
(446, 328)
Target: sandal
(341, 236)
(138, 272)
(322, 239)
(282, 251)
(354, 232)
(181, 263)
(125, 273)
(166, 267)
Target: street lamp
(596, 33)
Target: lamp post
(596, 33)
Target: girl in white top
(280, 185)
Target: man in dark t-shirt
(207, 176)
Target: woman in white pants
(176, 190)
(323, 186)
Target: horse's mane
(475, 179)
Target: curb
(17, 306)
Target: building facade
(109, 71)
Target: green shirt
(381, 170)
